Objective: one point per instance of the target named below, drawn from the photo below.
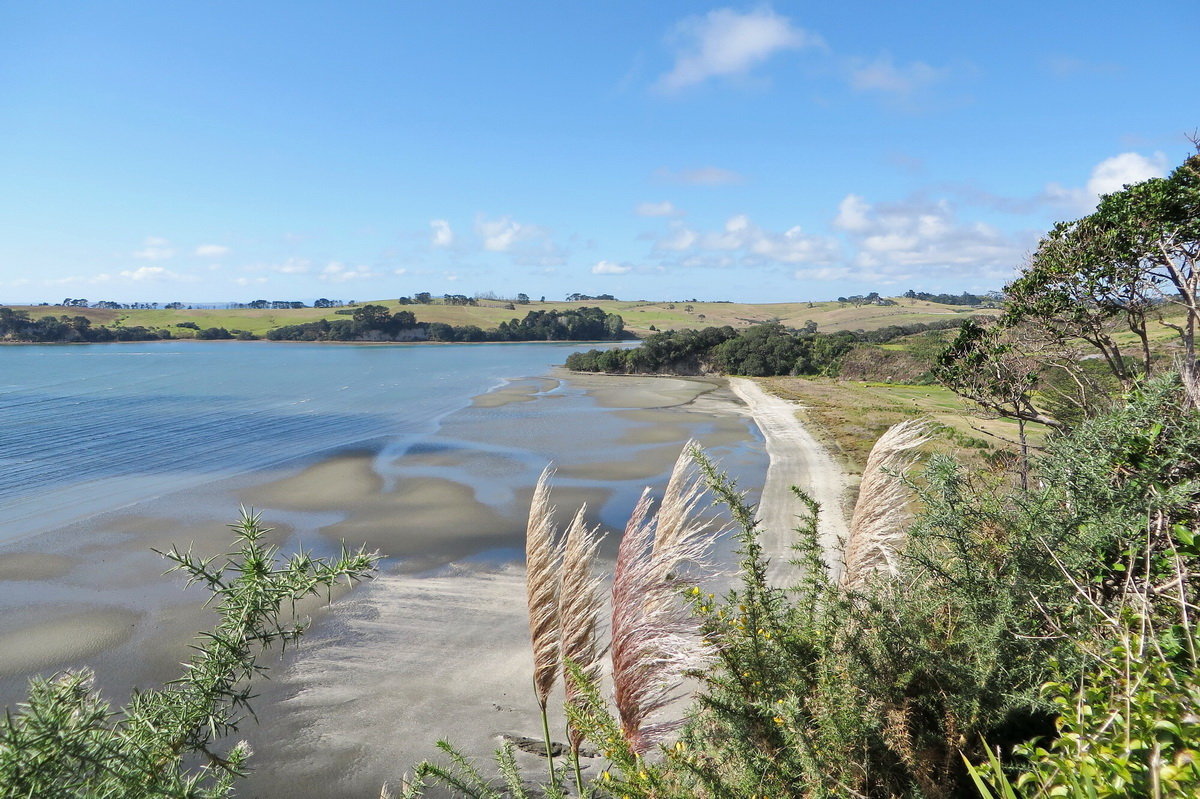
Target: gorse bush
(66, 741)
(1051, 624)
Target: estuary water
(89, 429)
(110, 453)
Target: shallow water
(87, 429)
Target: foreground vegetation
(66, 741)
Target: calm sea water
(89, 429)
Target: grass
(849, 416)
(639, 315)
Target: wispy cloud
(741, 242)
(500, 235)
(700, 176)
(658, 209)
(337, 272)
(527, 244)
(725, 42)
(212, 251)
(154, 249)
(442, 234)
(611, 268)
(144, 273)
(1065, 66)
(898, 80)
(1110, 175)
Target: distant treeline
(956, 299)
(17, 326)
(759, 351)
(376, 323)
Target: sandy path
(797, 459)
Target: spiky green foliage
(464, 778)
(66, 741)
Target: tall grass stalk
(541, 589)
(578, 613)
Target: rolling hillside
(640, 316)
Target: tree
(1135, 257)
(993, 367)
(522, 299)
(1076, 288)
(372, 317)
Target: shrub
(66, 741)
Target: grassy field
(639, 316)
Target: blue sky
(764, 152)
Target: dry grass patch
(849, 417)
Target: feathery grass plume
(578, 612)
(541, 588)
(877, 526)
(541, 593)
(676, 519)
(656, 639)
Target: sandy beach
(797, 459)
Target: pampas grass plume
(579, 603)
(541, 589)
(655, 638)
(878, 524)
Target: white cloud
(1110, 175)
(443, 234)
(742, 240)
(921, 241)
(212, 250)
(883, 75)
(151, 273)
(700, 176)
(337, 272)
(249, 281)
(665, 208)
(725, 42)
(852, 213)
(154, 249)
(1114, 174)
(680, 238)
(528, 245)
(610, 268)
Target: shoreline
(384, 661)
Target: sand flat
(34, 566)
(54, 638)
